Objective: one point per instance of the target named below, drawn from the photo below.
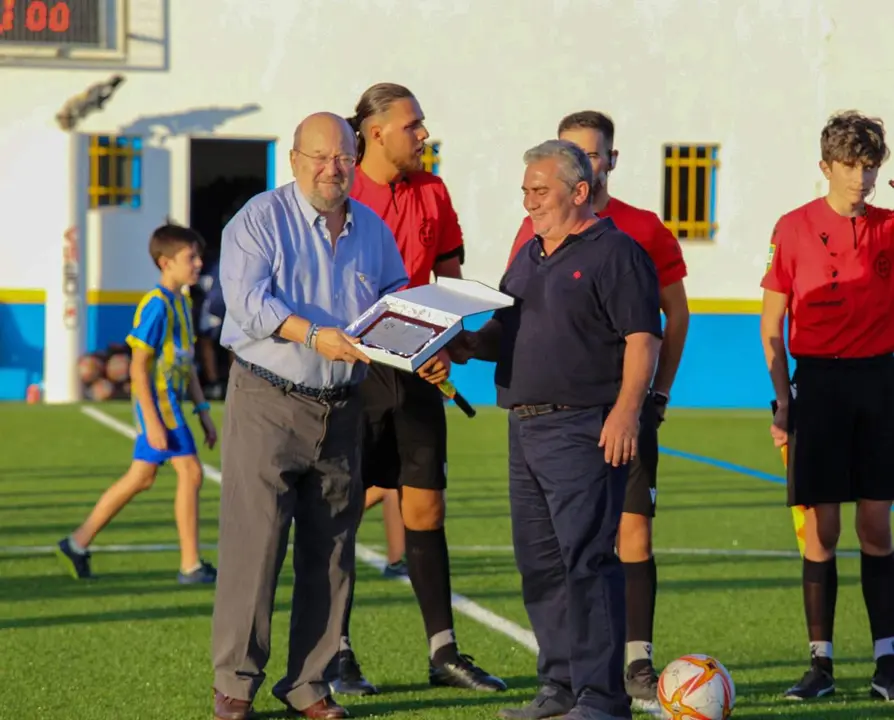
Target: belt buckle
(523, 412)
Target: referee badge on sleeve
(770, 255)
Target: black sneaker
(641, 683)
(77, 564)
(205, 574)
(396, 569)
(815, 683)
(350, 680)
(464, 673)
(882, 685)
(551, 702)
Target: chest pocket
(361, 283)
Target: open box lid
(453, 296)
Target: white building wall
(493, 78)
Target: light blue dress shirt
(277, 259)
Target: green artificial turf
(134, 645)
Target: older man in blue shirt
(298, 264)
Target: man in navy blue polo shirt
(575, 358)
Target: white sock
(344, 645)
(439, 640)
(638, 651)
(195, 567)
(821, 650)
(883, 647)
(77, 549)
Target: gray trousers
(284, 457)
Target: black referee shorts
(841, 431)
(405, 431)
(642, 480)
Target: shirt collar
(312, 215)
(164, 291)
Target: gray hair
(574, 165)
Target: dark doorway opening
(224, 175)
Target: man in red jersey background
(594, 132)
(832, 274)
(405, 444)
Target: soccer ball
(696, 687)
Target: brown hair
(591, 120)
(169, 239)
(374, 101)
(850, 138)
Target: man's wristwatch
(660, 400)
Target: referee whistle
(452, 393)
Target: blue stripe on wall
(271, 165)
(108, 324)
(723, 365)
(21, 348)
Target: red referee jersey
(643, 226)
(420, 213)
(836, 272)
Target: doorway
(223, 175)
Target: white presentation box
(404, 329)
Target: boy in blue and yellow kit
(161, 373)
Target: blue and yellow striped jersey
(162, 326)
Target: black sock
(877, 576)
(820, 581)
(642, 587)
(428, 565)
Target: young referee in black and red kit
(831, 272)
(405, 444)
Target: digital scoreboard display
(52, 23)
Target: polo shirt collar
(313, 216)
(591, 233)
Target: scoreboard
(62, 28)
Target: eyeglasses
(343, 160)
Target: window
(690, 190)
(431, 157)
(116, 164)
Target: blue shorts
(180, 443)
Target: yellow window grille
(116, 166)
(431, 157)
(690, 190)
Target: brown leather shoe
(326, 709)
(229, 708)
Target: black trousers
(566, 504)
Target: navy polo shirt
(563, 340)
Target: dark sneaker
(816, 683)
(882, 685)
(463, 673)
(396, 569)
(550, 702)
(205, 574)
(77, 564)
(641, 683)
(350, 679)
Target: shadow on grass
(521, 689)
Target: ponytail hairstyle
(375, 101)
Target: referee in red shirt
(406, 429)
(830, 271)
(594, 132)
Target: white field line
(375, 551)
(370, 557)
